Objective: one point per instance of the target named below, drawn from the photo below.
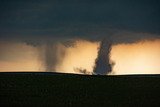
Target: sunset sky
(65, 35)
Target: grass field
(52, 89)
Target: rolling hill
(55, 89)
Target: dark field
(51, 89)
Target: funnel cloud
(102, 63)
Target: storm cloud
(40, 21)
(47, 23)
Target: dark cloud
(40, 21)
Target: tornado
(102, 62)
(50, 57)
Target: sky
(39, 35)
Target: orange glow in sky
(82, 55)
(18, 57)
(137, 58)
